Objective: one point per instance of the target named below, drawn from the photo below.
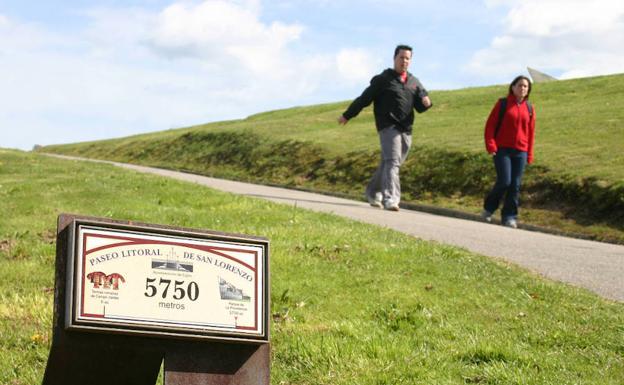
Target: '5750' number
(179, 289)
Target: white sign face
(146, 282)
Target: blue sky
(78, 70)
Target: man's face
(402, 60)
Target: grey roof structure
(539, 77)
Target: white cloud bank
(132, 70)
(227, 33)
(566, 38)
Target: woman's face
(520, 89)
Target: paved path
(594, 265)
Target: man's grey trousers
(385, 185)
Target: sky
(81, 70)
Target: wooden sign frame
(157, 281)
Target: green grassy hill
(350, 303)
(576, 183)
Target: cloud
(123, 71)
(229, 34)
(568, 38)
(354, 65)
(16, 37)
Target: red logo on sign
(100, 279)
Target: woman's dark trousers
(509, 164)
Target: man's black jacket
(394, 100)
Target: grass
(350, 302)
(576, 184)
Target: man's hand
(426, 101)
(342, 120)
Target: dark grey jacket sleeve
(365, 99)
(420, 93)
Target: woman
(509, 138)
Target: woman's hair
(516, 80)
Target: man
(395, 93)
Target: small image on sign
(231, 292)
(101, 280)
(171, 263)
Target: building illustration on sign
(172, 263)
(231, 292)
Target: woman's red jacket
(517, 130)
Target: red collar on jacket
(511, 98)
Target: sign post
(129, 295)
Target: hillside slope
(351, 303)
(576, 183)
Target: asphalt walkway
(596, 266)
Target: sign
(157, 281)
